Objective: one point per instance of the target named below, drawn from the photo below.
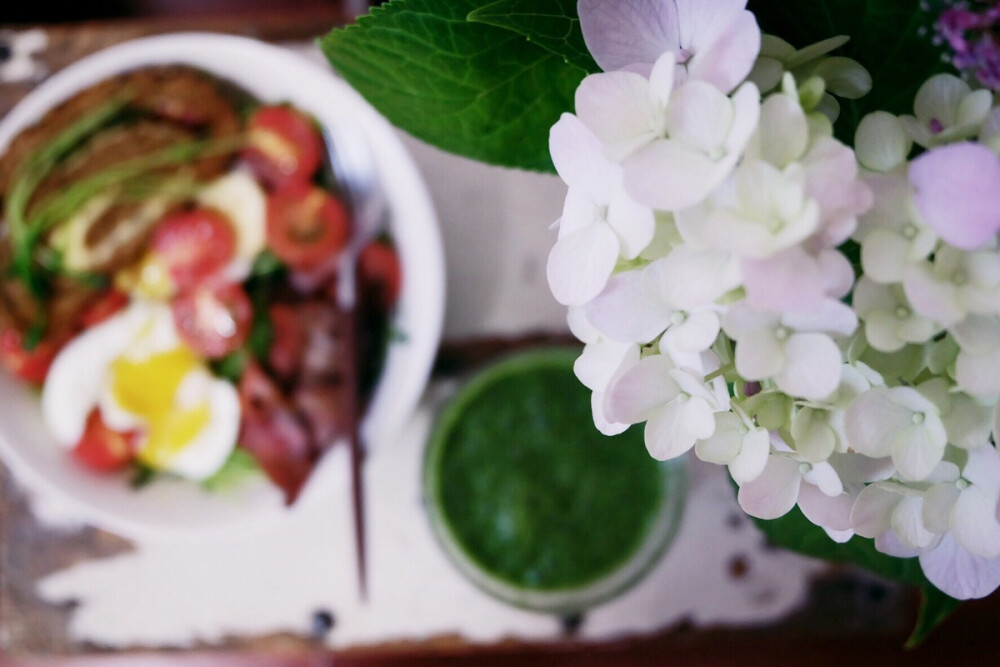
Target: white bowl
(176, 508)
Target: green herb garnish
(238, 467)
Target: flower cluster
(707, 252)
(972, 32)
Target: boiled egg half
(142, 377)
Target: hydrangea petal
(622, 33)
(958, 193)
(732, 52)
(699, 116)
(774, 492)
(632, 222)
(830, 512)
(725, 442)
(674, 428)
(617, 108)
(872, 510)
(630, 309)
(690, 277)
(640, 390)
(908, 523)
(880, 141)
(669, 175)
(974, 522)
(600, 361)
(959, 573)
(580, 264)
(760, 355)
(598, 408)
(812, 366)
(749, 463)
(578, 158)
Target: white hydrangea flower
(598, 365)
(714, 42)
(954, 285)
(758, 212)
(600, 222)
(977, 364)
(674, 144)
(890, 320)
(966, 420)
(891, 506)
(946, 109)
(796, 280)
(899, 422)
(672, 299)
(737, 443)
(787, 481)
(796, 352)
(967, 505)
(677, 406)
(892, 235)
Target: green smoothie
(526, 490)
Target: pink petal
(958, 193)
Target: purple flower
(972, 30)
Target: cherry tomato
(305, 225)
(285, 354)
(31, 365)
(101, 448)
(284, 146)
(104, 307)
(194, 245)
(214, 321)
(380, 273)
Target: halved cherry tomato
(380, 272)
(284, 146)
(31, 365)
(194, 245)
(214, 321)
(101, 448)
(305, 225)
(104, 307)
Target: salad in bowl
(173, 242)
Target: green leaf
(935, 607)
(238, 467)
(891, 38)
(796, 533)
(467, 87)
(551, 24)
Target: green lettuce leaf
(467, 87)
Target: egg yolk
(148, 388)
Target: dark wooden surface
(850, 618)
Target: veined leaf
(467, 87)
(551, 24)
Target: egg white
(239, 197)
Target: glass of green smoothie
(532, 503)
